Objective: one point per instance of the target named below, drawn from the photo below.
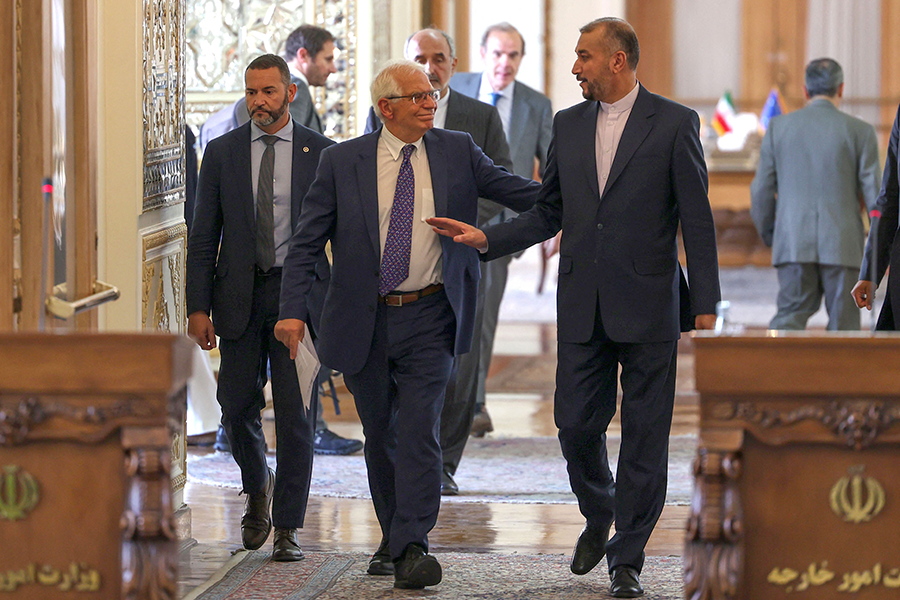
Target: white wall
(566, 18)
(708, 68)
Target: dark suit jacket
(618, 247)
(482, 122)
(303, 109)
(220, 276)
(529, 125)
(883, 245)
(342, 206)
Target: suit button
(599, 226)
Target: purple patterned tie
(395, 259)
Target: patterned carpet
(492, 471)
(342, 576)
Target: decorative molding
(20, 417)
(858, 422)
(178, 433)
(713, 560)
(163, 279)
(149, 560)
(163, 108)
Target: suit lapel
(367, 179)
(456, 119)
(587, 146)
(437, 164)
(242, 165)
(519, 117)
(636, 130)
(298, 171)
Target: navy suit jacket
(618, 250)
(221, 258)
(342, 206)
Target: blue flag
(774, 106)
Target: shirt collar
(286, 133)
(442, 102)
(395, 144)
(624, 104)
(296, 73)
(487, 90)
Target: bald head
(433, 49)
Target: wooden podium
(88, 424)
(796, 493)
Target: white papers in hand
(308, 365)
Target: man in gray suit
(433, 49)
(816, 166)
(309, 52)
(527, 119)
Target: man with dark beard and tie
(252, 182)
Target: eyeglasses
(420, 97)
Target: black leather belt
(401, 298)
(269, 273)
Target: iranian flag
(723, 120)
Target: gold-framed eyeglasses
(420, 97)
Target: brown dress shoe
(256, 523)
(380, 563)
(625, 583)
(415, 569)
(287, 549)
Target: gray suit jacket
(805, 199)
(530, 123)
(482, 122)
(303, 109)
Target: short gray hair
(823, 77)
(385, 84)
(503, 27)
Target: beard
(263, 117)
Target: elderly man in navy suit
(625, 169)
(251, 186)
(401, 301)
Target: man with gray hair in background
(818, 168)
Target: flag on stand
(723, 119)
(773, 107)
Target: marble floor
(350, 524)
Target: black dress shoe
(415, 569)
(222, 444)
(287, 548)
(380, 563)
(590, 548)
(625, 583)
(328, 442)
(481, 423)
(448, 486)
(256, 522)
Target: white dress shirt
(440, 115)
(425, 254)
(611, 120)
(284, 151)
(504, 102)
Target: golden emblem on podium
(18, 493)
(857, 498)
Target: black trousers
(585, 402)
(399, 393)
(242, 376)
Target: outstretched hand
(462, 233)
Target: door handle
(103, 293)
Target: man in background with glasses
(401, 301)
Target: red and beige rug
(342, 576)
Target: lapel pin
(306, 148)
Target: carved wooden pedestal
(87, 424)
(796, 491)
